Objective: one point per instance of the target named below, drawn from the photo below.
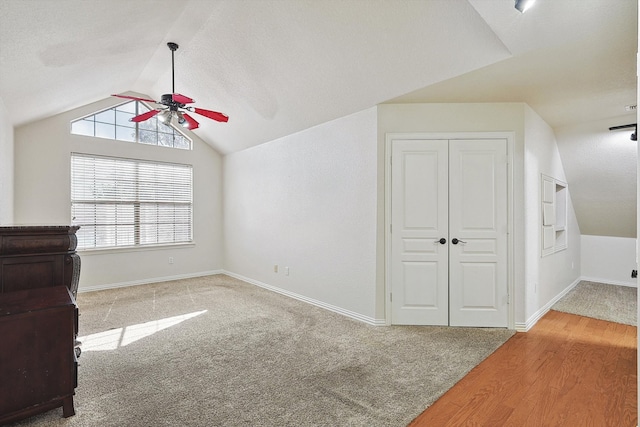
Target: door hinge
(390, 228)
(390, 297)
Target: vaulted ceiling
(279, 66)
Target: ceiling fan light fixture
(173, 103)
(524, 5)
(165, 116)
(181, 120)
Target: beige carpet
(216, 351)
(601, 301)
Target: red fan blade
(212, 114)
(135, 98)
(182, 99)
(192, 122)
(144, 116)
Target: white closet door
(449, 190)
(419, 262)
(478, 294)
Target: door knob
(456, 241)
(442, 241)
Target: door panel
(478, 217)
(478, 290)
(417, 277)
(419, 263)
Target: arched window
(114, 124)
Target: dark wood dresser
(38, 364)
(38, 256)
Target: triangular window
(114, 124)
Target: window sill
(123, 249)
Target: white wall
(549, 276)
(42, 196)
(608, 259)
(6, 167)
(604, 193)
(312, 202)
(308, 202)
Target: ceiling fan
(173, 103)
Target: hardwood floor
(568, 370)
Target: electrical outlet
(286, 271)
(170, 260)
(275, 268)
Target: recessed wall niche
(554, 215)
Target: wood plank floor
(567, 370)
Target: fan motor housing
(167, 99)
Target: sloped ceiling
(574, 63)
(279, 66)
(275, 67)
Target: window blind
(126, 202)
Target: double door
(449, 228)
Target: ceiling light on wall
(524, 5)
(634, 135)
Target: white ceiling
(279, 66)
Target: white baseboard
(317, 303)
(82, 289)
(519, 327)
(630, 284)
(524, 327)
(335, 309)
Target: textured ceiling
(275, 67)
(578, 65)
(279, 66)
